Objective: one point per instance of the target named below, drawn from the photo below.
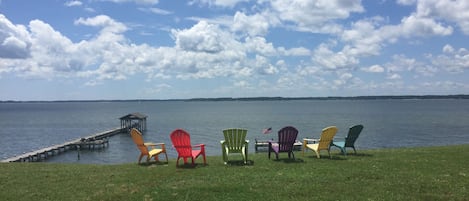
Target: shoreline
(381, 97)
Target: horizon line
(261, 98)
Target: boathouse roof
(135, 115)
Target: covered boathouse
(134, 120)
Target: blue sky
(156, 49)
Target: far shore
(383, 97)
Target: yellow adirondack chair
(147, 148)
(324, 143)
(235, 142)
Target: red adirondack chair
(182, 143)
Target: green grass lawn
(430, 173)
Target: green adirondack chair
(235, 142)
(349, 140)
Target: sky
(175, 49)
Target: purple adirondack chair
(286, 139)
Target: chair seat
(155, 152)
(313, 146)
(195, 153)
(338, 143)
(275, 146)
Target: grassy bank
(433, 173)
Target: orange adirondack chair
(182, 143)
(144, 147)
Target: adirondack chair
(349, 140)
(147, 148)
(182, 143)
(235, 142)
(286, 139)
(324, 143)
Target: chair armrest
(202, 147)
(338, 139)
(151, 144)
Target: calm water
(388, 123)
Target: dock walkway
(265, 144)
(98, 140)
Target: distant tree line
(460, 96)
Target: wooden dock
(265, 144)
(98, 140)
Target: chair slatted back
(286, 138)
(138, 140)
(182, 142)
(352, 135)
(326, 137)
(235, 139)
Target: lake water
(388, 123)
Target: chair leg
(140, 158)
(166, 157)
(317, 154)
(246, 156)
(225, 158)
(354, 149)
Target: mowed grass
(429, 173)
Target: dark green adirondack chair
(349, 140)
(235, 142)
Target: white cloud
(374, 69)
(406, 2)
(149, 2)
(108, 24)
(452, 60)
(448, 49)
(254, 25)
(14, 40)
(394, 76)
(264, 67)
(202, 37)
(315, 15)
(73, 3)
(220, 3)
(260, 45)
(452, 11)
(420, 26)
(157, 11)
(296, 51)
(328, 59)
